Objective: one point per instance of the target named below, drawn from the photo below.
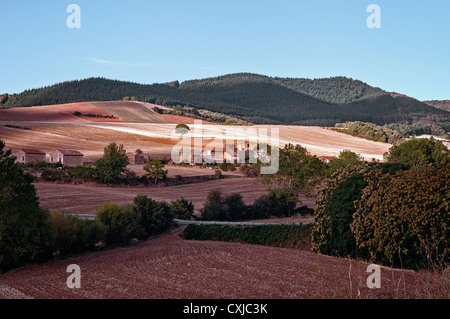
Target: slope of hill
(57, 113)
(336, 90)
(135, 112)
(257, 98)
(443, 105)
(111, 111)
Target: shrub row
(276, 203)
(290, 236)
(370, 131)
(60, 235)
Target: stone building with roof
(27, 155)
(68, 158)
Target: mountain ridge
(253, 97)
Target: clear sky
(165, 40)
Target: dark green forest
(255, 98)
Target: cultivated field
(84, 199)
(137, 126)
(136, 112)
(56, 113)
(169, 267)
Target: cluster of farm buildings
(68, 158)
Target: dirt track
(169, 267)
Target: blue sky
(160, 41)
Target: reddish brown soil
(56, 113)
(84, 199)
(169, 267)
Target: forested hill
(256, 98)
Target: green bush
(182, 208)
(346, 159)
(276, 203)
(218, 174)
(237, 210)
(83, 173)
(404, 219)
(53, 175)
(121, 223)
(70, 235)
(215, 207)
(227, 167)
(304, 210)
(331, 233)
(220, 207)
(420, 152)
(42, 165)
(155, 217)
(250, 170)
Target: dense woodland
(258, 99)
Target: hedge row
(289, 236)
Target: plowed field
(84, 199)
(56, 113)
(138, 126)
(169, 267)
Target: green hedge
(288, 236)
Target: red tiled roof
(31, 151)
(70, 153)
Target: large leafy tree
(420, 152)
(155, 169)
(113, 163)
(155, 216)
(182, 129)
(299, 172)
(331, 233)
(404, 219)
(215, 207)
(22, 222)
(182, 208)
(346, 159)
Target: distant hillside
(336, 90)
(256, 98)
(443, 105)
